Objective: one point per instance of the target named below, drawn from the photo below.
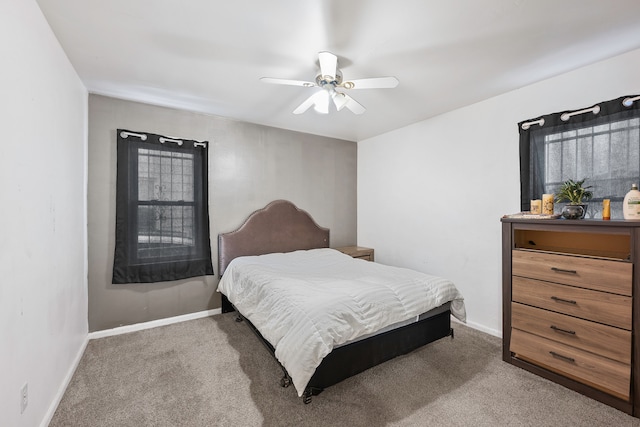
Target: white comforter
(307, 302)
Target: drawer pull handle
(568, 301)
(555, 328)
(559, 356)
(562, 270)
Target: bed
(317, 310)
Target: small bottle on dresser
(631, 204)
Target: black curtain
(162, 219)
(602, 147)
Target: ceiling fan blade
(339, 100)
(316, 100)
(305, 105)
(321, 102)
(328, 64)
(372, 83)
(287, 82)
(353, 105)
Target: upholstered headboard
(278, 227)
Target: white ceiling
(208, 55)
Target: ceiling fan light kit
(330, 79)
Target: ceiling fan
(329, 80)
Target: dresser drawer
(598, 274)
(594, 337)
(601, 307)
(599, 372)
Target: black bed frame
(281, 220)
(351, 359)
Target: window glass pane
(554, 161)
(187, 192)
(569, 169)
(145, 188)
(613, 153)
(165, 175)
(165, 231)
(584, 165)
(619, 154)
(633, 158)
(601, 156)
(623, 124)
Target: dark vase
(574, 211)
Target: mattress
(433, 312)
(306, 303)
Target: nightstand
(357, 252)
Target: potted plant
(577, 195)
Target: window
(600, 143)
(162, 221)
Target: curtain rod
(202, 144)
(527, 125)
(124, 135)
(627, 102)
(566, 116)
(162, 140)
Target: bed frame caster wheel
(285, 381)
(306, 397)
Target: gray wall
(249, 166)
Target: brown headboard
(278, 227)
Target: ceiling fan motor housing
(325, 80)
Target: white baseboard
(153, 324)
(480, 327)
(63, 387)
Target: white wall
(43, 287)
(430, 195)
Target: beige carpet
(215, 372)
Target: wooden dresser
(570, 305)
